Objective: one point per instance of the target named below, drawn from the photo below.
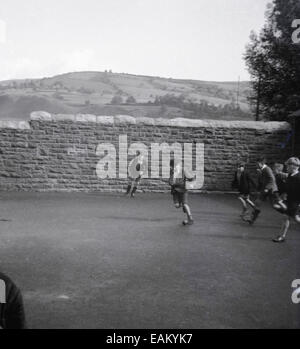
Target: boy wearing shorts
(136, 169)
(268, 187)
(177, 181)
(244, 184)
(292, 186)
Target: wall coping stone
(14, 124)
(130, 120)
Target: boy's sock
(189, 220)
(255, 214)
(133, 192)
(285, 227)
(128, 189)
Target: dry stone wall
(59, 152)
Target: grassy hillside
(106, 93)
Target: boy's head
(241, 166)
(278, 168)
(261, 162)
(292, 165)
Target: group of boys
(282, 188)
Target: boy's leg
(251, 203)
(186, 210)
(292, 211)
(277, 201)
(128, 189)
(176, 199)
(284, 230)
(297, 215)
(244, 204)
(256, 207)
(135, 184)
(245, 199)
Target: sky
(189, 39)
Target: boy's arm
(14, 313)
(283, 175)
(189, 176)
(271, 181)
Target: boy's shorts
(293, 208)
(180, 198)
(244, 196)
(273, 196)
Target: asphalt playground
(106, 261)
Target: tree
(131, 100)
(273, 60)
(117, 100)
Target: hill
(107, 93)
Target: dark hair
(261, 159)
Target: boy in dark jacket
(12, 315)
(292, 182)
(267, 186)
(244, 184)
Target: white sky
(196, 39)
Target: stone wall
(58, 152)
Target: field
(106, 261)
(93, 93)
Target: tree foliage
(117, 100)
(273, 60)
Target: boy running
(244, 183)
(292, 186)
(268, 187)
(177, 181)
(136, 170)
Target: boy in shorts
(244, 183)
(268, 187)
(177, 181)
(136, 169)
(292, 183)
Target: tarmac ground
(106, 261)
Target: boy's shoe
(188, 222)
(279, 239)
(255, 216)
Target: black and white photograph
(149, 167)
